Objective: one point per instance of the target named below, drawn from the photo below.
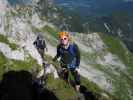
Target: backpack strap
(71, 49)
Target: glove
(54, 59)
(46, 49)
(77, 69)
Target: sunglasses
(63, 39)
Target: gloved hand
(54, 59)
(77, 69)
(46, 49)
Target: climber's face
(64, 40)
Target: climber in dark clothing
(70, 58)
(40, 45)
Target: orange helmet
(62, 34)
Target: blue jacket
(70, 57)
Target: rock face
(50, 69)
(17, 29)
(6, 50)
(3, 7)
(93, 45)
(3, 10)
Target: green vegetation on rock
(4, 39)
(66, 92)
(29, 64)
(114, 46)
(50, 30)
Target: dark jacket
(40, 43)
(70, 57)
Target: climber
(40, 45)
(69, 58)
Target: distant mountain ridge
(95, 15)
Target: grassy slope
(122, 83)
(115, 46)
(64, 92)
(8, 64)
(4, 39)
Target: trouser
(41, 52)
(71, 74)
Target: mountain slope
(105, 62)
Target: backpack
(40, 43)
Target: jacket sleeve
(77, 55)
(35, 43)
(57, 54)
(44, 43)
